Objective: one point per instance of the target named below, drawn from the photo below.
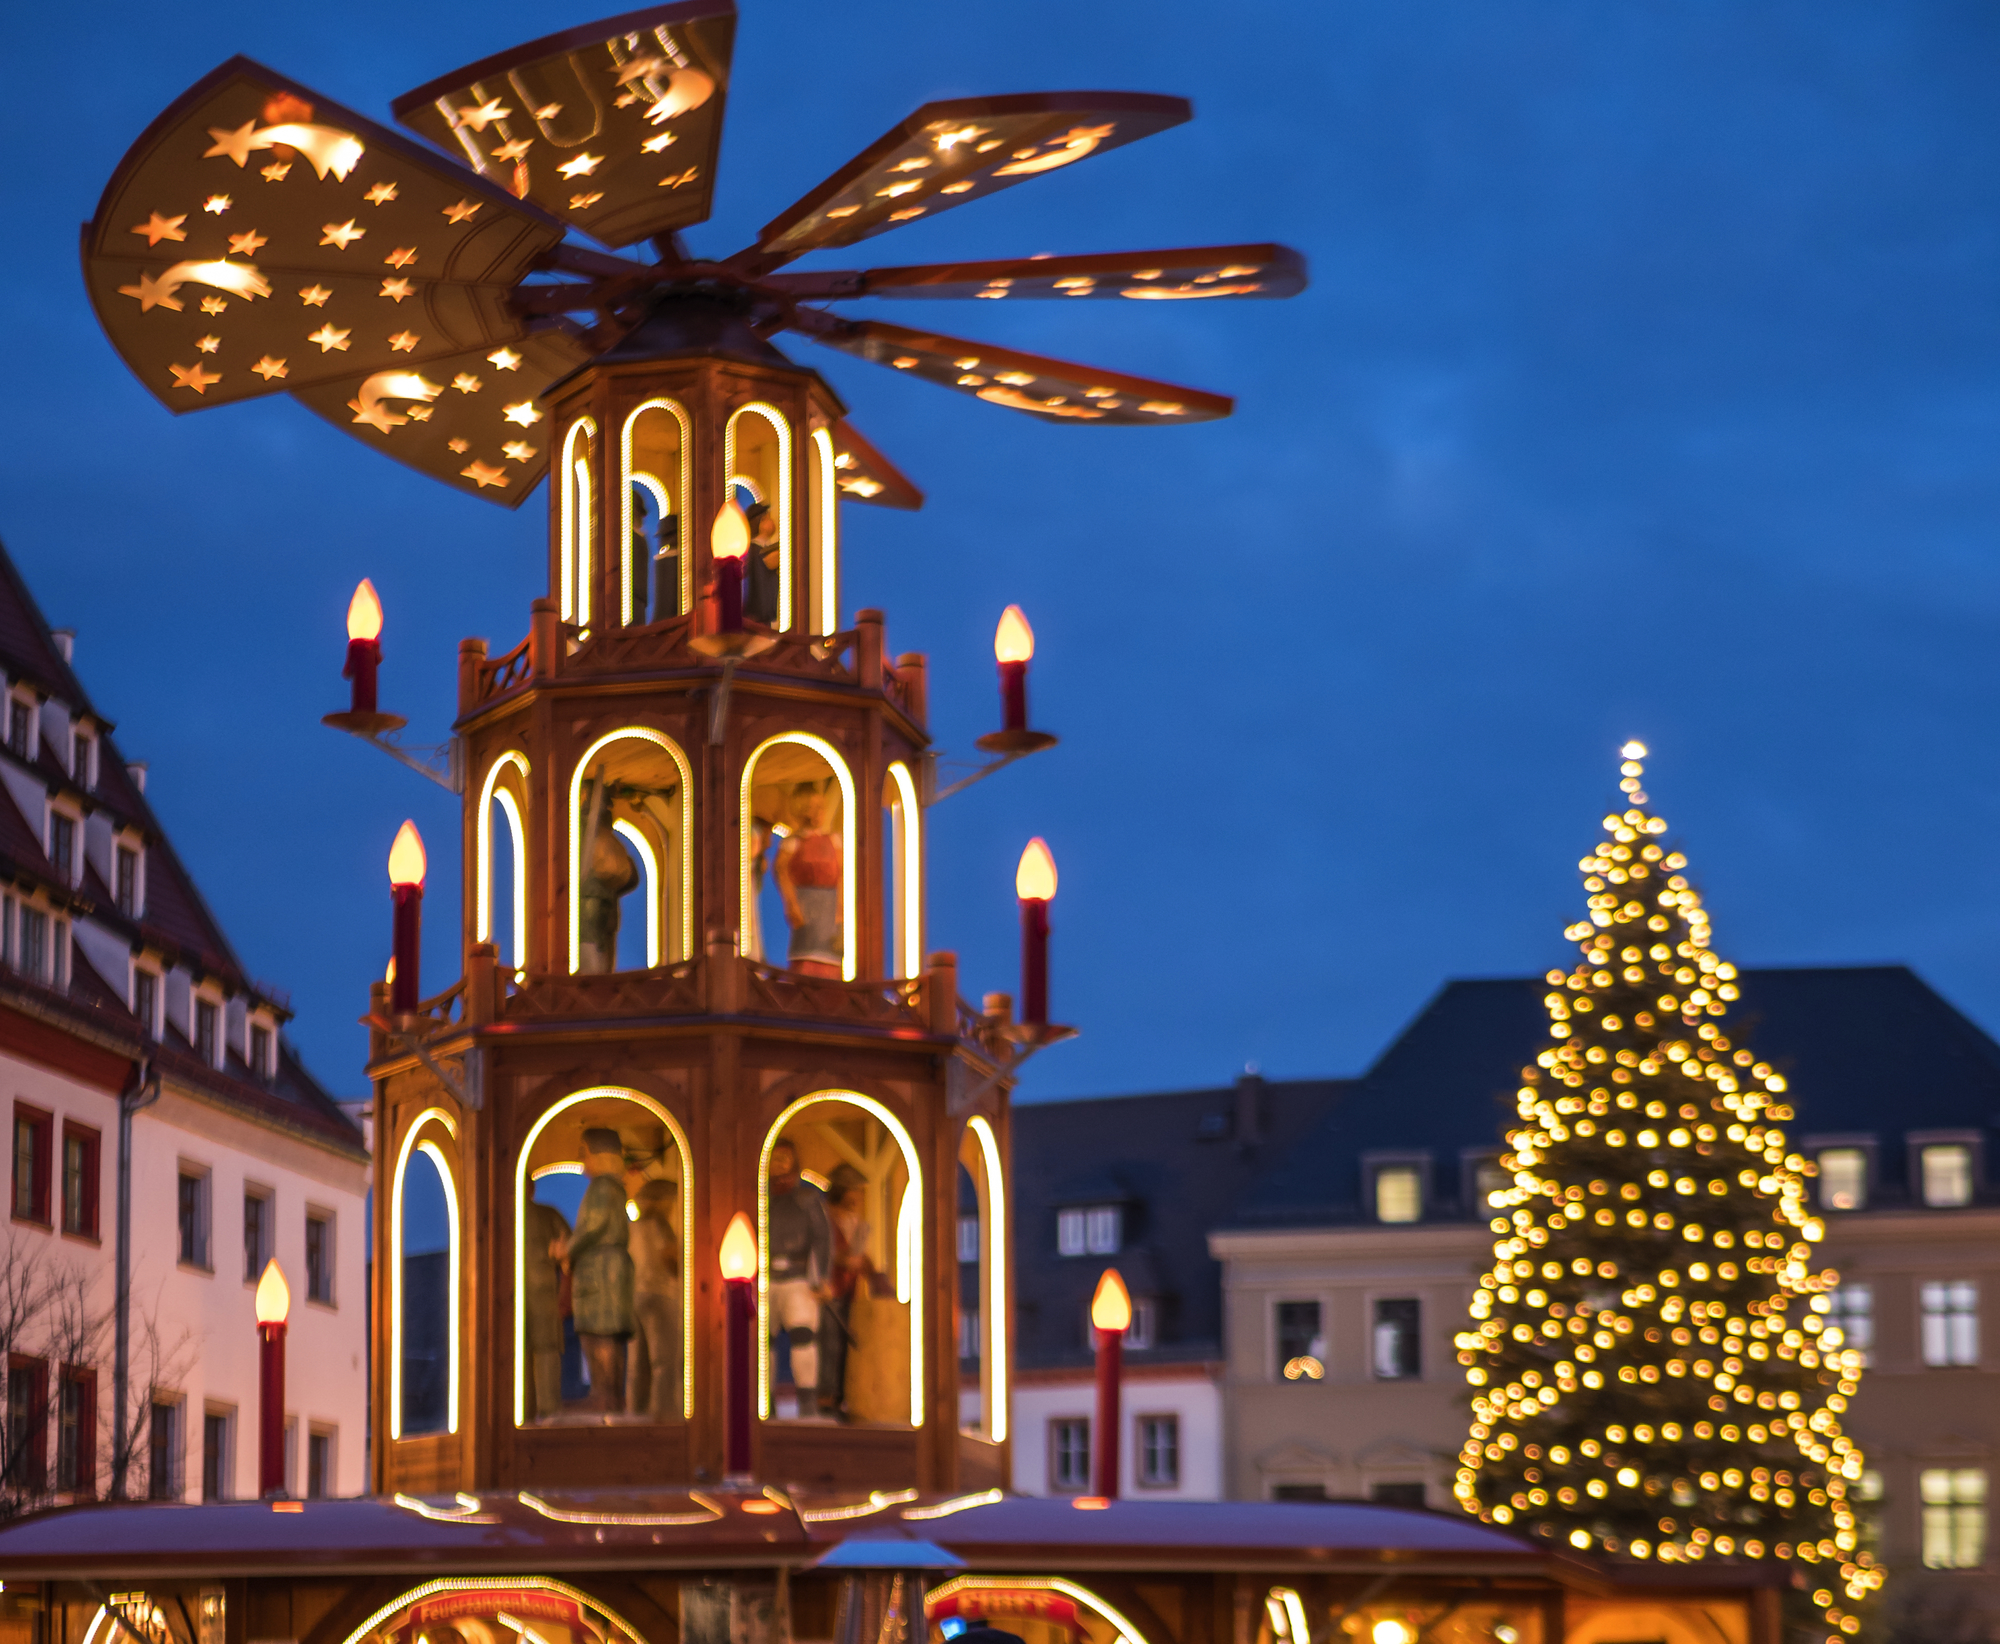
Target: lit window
(1069, 1453)
(1103, 1230)
(1843, 1178)
(1398, 1353)
(1869, 1486)
(1301, 1354)
(1954, 1517)
(1951, 1323)
(1159, 1451)
(1947, 1173)
(1854, 1311)
(1399, 1195)
(1069, 1233)
(1488, 1179)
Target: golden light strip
(686, 481)
(467, 1512)
(711, 1511)
(877, 1501)
(1053, 1584)
(746, 889)
(909, 872)
(995, 1255)
(637, 840)
(639, 733)
(396, 1264)
(828, 498)
(957, 1504)
(490, 791)
(436, 1156)
(776, 418)
(514, 1584)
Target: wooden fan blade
(1188, 274)
(948, 153)
(864, 474)
(1054, 390)
(613, 127)
(256, 213)
(473, 420)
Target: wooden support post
(471, 658)
(544, 638)
(941, 992)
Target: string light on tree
(1654, 1374)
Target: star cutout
(524, 413)
(152, 293)
(232, 145)
(208, 345)
(157, 228)
(329, 339)
(248, 243)
(463, 210)
(687, 177)
(404, 341)
(315, 296)
(380, 194)
(583, 202)
(514, 150)
(548, 111)
(398, 289)
(341, 235)
(267, 368)
(217, 203)
(627, 98)
(420, 413)
(214, 305)
(460, 446)
(277, 171)
(377, 415)
(518, 451)
(466, 383)
(582, 166)
(505, 358)
(193, 376)
(401, 257)
(484, 114)
(653, 145)
(482, 476)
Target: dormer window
(260, 1058)
(1946, 1171)
(19, 717)
(1843, 1178)
(62, 846)
(1097, 1230)
(146, 1001)
(125, 871)
(208, 1031)
(1399, 1194)
(83, 759)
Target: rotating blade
(1192, 273)
(864, 474)
(948, 153)
(473, 420)
(613, 127)
(255, 213)
(1054, 390)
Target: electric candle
(728, 546)
(1110, 1318)
(739, 1276)
(274, 1306)
(364, 645)
(1014, 649)
(1035, 884)
(406, 888)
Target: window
(1947, 1175)
(76, 1432)
(193, 1208)
(1951, 1323)
(81, 765)
(1488, 1179)
(1854, 1311)
(1301, 1341)
(34, 944)
(59, 955)
(319, 1257)
(1069, 1453)
(206, 1018)
(215, 1436)
(256, 1233)
(1398, 1493)
(146, 1002)
(1398, 1355)
(32, 1130)
(1954, 1517)
(968, 1238)
(79, 1180)
(968, 1333)
(1159, 1451)
(127, 888)
(1869, 1486)
(163, 1452)
(28, 1422)
(17, 726)
(1298, 1492)
(1843, 1178)
(1103, 1230)
(1399, 1194)
(260, 1051)
(1069, 1233)
(319, 1465)
(1139, 1333)
(62, 846)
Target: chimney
(65, 639)
(1249, 1107)
(136, 770)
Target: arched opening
(654, 455)
(982, 1273)
(500, 885)
(1036, 1609)
(604, 1196)
(840, 1282)
(631, 854)
(757, 456)
(490, 1607)
(798, 878)
(424, 1261)
(578, 516)
(904, 878)
(822, 531)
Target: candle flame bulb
(406, 857)
(1633, 750)
(364, 613)
(739, 1249)
(1111, 1307)
(1035, 878)
(1014, 640)
(729, 537)
(274, 1296)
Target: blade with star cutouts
(1054, 390)
(613, 127)
(948, 153)
(1187, 274)
(251, 191)
(865, 475)
(473, 420)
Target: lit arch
(783, 430)
(490, 793)
(826, 518)
(993, 1273)
(573, 479)
(849, 821)
(649, 865)
(909, 821)
(521, 1184)
(909, 1239)
(684, 935)
(494, 1586)
(661, 490)
(1127, 1633)
(436, 1155)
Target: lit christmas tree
(1653, 1373)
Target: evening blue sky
(1648, 385)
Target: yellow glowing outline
(521, 1237)
(876, 1502)
(518, 1584)
(575, 588)
(96, 1621)
(909, 1242)
(687, 491)
(783, 429)
(867, 1104)
(396, 1268)
(956, 1504)
(1054, 1584)
(1285, 1602)
(828, 544)
(909, 872)
(489, 791)
(640, 733)
(651, 863)
(994, 1261)
(848, 821)
(711, 1511)
(466, 1512)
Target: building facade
(166, 1143)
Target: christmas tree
(1653, 1374)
